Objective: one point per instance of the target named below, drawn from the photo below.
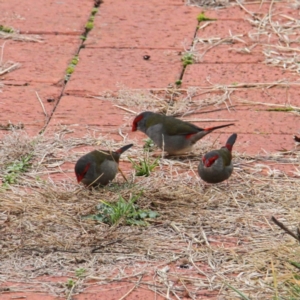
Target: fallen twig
(42, 104)
(288, 231)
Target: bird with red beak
(170, 134)
(98, 167)
(216, 166)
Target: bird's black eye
(146, 57)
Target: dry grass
(223, 232)
(171, 100)
(208, 3)
(7, 66)
(279, 42)
(278, 34)
(16, 36)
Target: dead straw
(222, 231)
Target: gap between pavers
(55, 47)
(115, 49)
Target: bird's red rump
(229, 146)
(135, 122)
(82, 174)
(188, 136)
(209, 161)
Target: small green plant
(94, 11)
(75, 60)
(187, 59)
(70, 70)
(178, 82)
(80, 272)
(122, 211)
(202, 17)
(89, 26)
(144, 166)
(148, 146)
(71, 67)
(293, 286)
(90, 23)
(14, 169)
(6, 29)
(295, 264)
(70, 283)
(238, 292)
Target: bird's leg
(122, 174)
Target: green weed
(91, 19)
(144, 166)
(122, 211)
(202, 17)
(14, 169)
(94, 11)
(70, 283)
(293, 288)
(148, 146)
(178, 82)
(187, 59)
(80, 272)
(89, 25)
(75, 60)
(238, 292)
(295, 264)
(71, 67)
(70, 70)
(6, 29)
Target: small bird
(98, 167)
(216, 166)
(170, 134)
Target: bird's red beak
(82, 174)
(79, 177)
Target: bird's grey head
(139, 122)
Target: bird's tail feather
(199, 135)
(230, 142)
(124, 148)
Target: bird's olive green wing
(174, 126)
(100, 156)
(115, 157)
(154, 119)
(226, 155)
(109, 155)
